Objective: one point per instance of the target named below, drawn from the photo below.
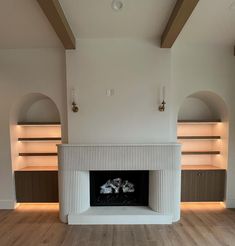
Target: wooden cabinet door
(199, 186)
(189, 186)
(23, 186)
(214, 189)
(45, 186)
(36, 186)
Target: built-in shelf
(200, 152)
(38, 168)
(41, 142)
(201, 167)
(38, 123)
(203, 173)
(38, 154)
(199, 121)
(38, 139)
(193, 152)
(199, 137)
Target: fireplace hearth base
(119, 216)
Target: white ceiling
(23, 25)
(212, 22)
(138, 18)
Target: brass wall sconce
(75, 107)
(162, 107)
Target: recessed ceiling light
(117, 5)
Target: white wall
(23, 72)
(135, 69)
(202, 68)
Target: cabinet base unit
(36, 186)
(203, 185)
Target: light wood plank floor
(201, 224)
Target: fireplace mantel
(119, 156)
(162, 160)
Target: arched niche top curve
(203, 105)
(36, 107)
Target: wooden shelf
(200, 152)
(38, 123)
(199, 137)
(38, 139)
(38, 168)
(199, 121)
(201, 167)
(38, 154)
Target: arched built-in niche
(35, 131)
(203, 132)
(204, 114)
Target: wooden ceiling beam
(55, 14)
(179, 16)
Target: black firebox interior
(119, 188)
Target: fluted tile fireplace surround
(162, 161)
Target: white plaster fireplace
(161, 160)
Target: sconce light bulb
(74, 96)
(163, 93)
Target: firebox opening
(119, 188)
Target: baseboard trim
(7, 204)
(230, 203)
